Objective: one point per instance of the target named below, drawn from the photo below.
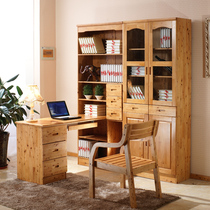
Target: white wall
(70, 13)
(16, 48)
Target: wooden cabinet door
(138, 148)
(162, 45)
(135, 63)
(165, 143)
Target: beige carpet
(72, 193)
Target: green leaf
(2, 91)
(13, 78)
(10, 87)
(20, 92)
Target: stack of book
(165, 95)
(113, 47)
(91, 45)
(165, 37)
(95, 110)
(136, 91)
(111, 73)
(84, 148)
(138, 70)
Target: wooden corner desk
(41, 147)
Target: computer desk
(41, 147)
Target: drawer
(162, 110)
(114, 101)
(54, 150)
(135, 108)
(54, 178)
(114, 90)
(53, 167)
(114, 114)
(54, 134)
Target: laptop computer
(59, 111)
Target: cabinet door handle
(113, 101)
(149, 70)
(113, 89)
(55, 134)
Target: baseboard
(200, 177)
(72, 154)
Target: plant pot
(4, 137)
(88, 96)
(99, 97)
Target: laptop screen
(57, 108)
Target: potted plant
(99, 92)
(88, 91)
(10, 112)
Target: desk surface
(48, 122)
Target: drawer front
(54, 134)
(162, 110)
(135, 108)
(54, 150)
(114, 101)
(114, 90)
(54, 178)
(56, 166)
(114, 114)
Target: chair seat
(117, 162)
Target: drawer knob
(57, 166)
(134, 108)
(161, 110)
(55, 150)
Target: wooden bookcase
(109, 130)
(165, 66)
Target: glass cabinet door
(136, 61)
(161, 63)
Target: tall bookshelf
(105, 131)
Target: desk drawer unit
(54, 153)
(41, 152)
(114, 101)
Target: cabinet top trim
(118, 24)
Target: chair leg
(92, 181)
(132, 191)
(157, 182)
(122, 181)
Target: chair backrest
(143, 130)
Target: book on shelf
(91, 45)
(165, 37)
(111, 73)
(113, 46)
(135, 91)
(84, 147)
(165, 95)
(138, 70)
(95, 110)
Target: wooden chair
(126, 164)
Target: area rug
(72, 193)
